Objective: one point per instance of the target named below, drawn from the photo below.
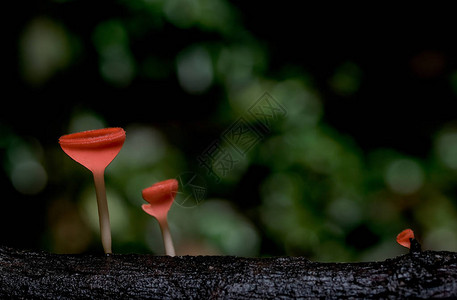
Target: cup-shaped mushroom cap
(160, 197)
(94, 149)
(403, 238)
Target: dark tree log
(40, 275)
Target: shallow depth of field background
(363, 143)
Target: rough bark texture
(40, 275)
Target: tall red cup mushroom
(160, 197)
(95, 149)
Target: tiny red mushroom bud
(404, 238)
(160, 197)
(95, 149)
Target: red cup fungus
(160, 197)
(95, 149)
(404, 238)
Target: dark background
(385, 79)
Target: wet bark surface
(41, 275)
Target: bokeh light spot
(29, 177)
(181, 13)
(235, 65)
(345, 211)
(404, 176)
(45, 48)
(147, 144)
(195, 70)
(446, 147)
(117, 66)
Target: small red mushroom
(95, 149)
(160, 197)
(404, 238)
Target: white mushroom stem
(169, 248)
(103, 214)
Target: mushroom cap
(160, 197)
(158, 214)
(403, 238)
(94, 149)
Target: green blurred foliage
(303, 189)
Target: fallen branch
(40, 275)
